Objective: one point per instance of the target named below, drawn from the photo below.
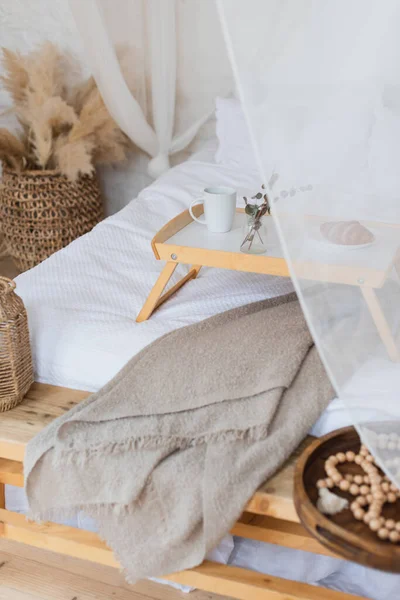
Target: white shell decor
(347, 233)
(329, 503)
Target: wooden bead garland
(371, 491)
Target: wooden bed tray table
(184, 241)
(270, 515)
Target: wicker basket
(42, 211)
(16, 371)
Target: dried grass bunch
(63, 126)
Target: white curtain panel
(320, 85)
(148, 31)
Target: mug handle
(197, 201)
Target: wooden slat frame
(87, 545)
(251, 526)
(270, 516)
(42, 404)
(11, 472)
(243, 584)
(279, 532)
(238, 583)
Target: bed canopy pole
(159, 21)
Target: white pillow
(234, 144)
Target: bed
(82, 304)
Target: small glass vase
(254, 236)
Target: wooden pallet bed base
(270, 515)
(235, 582)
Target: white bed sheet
(82, 303)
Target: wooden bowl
(341, 533)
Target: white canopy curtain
(320, 84)
(152, 32)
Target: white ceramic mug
(219, 208)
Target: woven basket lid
(11, 305)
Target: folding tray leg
(156, 296)
(381, 323)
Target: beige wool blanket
(167, 454)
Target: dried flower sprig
(256, 212)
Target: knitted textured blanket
(167, 454)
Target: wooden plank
(42, 404)
(249, 585)
(7, 593)
(76, 566)
(212, 577)
(57, 538)
(279, 532)
(11, 473)
(33, 576)
(275, 497)
(87, 545)
(235, 261)
(273, 505)
(50, 567)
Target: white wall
(203, 68)
(25, 23)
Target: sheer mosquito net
(319, 83)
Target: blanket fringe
(80, 456)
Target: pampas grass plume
(12, 150)
(66, 126)
(75, 158)
(16, 78)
